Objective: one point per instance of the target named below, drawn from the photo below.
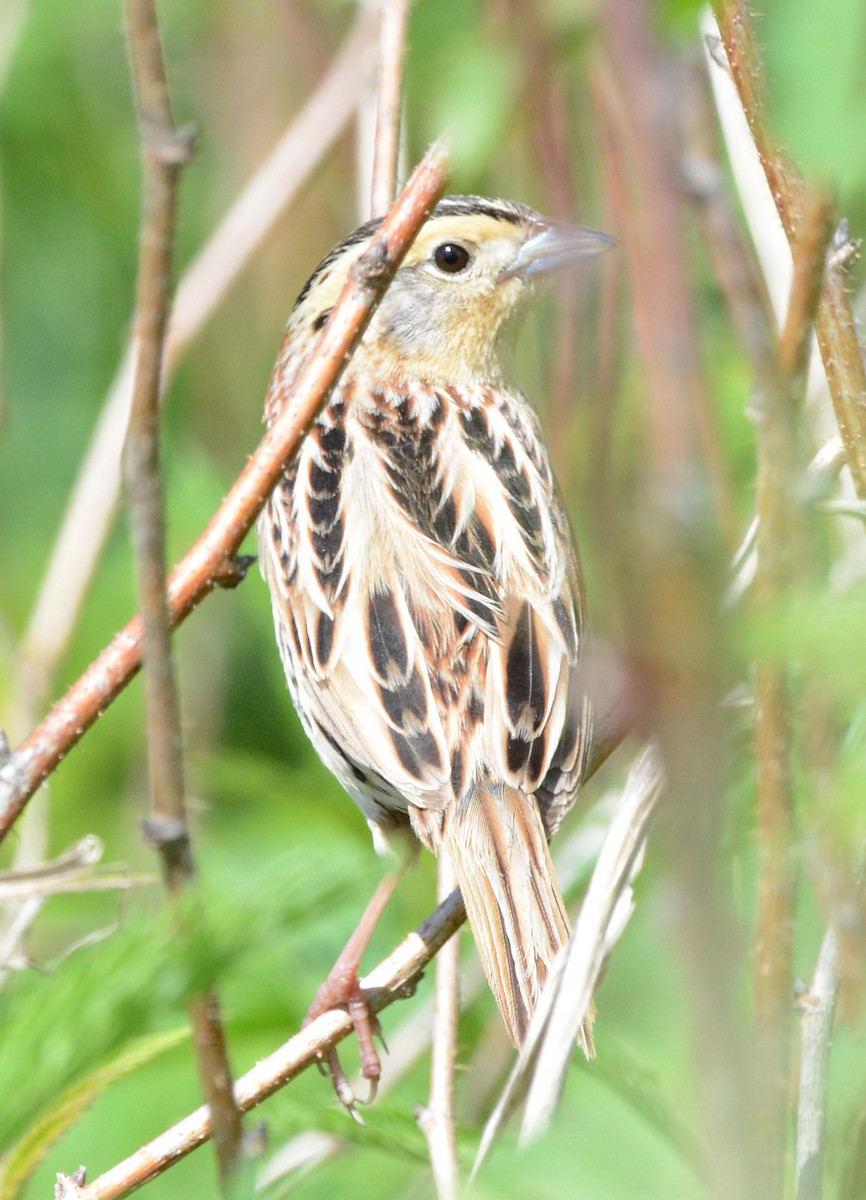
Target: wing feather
(424, 565)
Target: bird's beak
(552, 245)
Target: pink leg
(342, 990)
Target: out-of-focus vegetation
(285, 858)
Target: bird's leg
(342, 989)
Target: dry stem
(210, 559)
(817, 1009)
(166, 149)
(437, 1119)
(392, 50)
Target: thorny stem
(780, 542)
(200, 570)
(166, 149)
(841, 352)
(392, 50)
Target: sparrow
(427, 596)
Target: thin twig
(817, 1009)
(165, 150)
(209, 561)
(207, 280)
(392, 49)
(835, 327)
(437, 1118)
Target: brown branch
(837, 333)
(199, 571)
(166, 149)
(386, 149)
(780, 540)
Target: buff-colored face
(454, 293)
(461, 281)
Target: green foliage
(462, 82)
(22, 1159)
(89, 1048)
(816, 59)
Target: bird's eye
(451, 257)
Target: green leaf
(19, 1163)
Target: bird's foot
(342, 989)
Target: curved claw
(342, 1087)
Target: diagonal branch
(395, 977)
(209, 562)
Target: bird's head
(460, 283)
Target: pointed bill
(554, 245)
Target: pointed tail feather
(497, 843)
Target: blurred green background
(285, 858)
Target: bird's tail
(497, 843)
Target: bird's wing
(537, 713)
(427, 581)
